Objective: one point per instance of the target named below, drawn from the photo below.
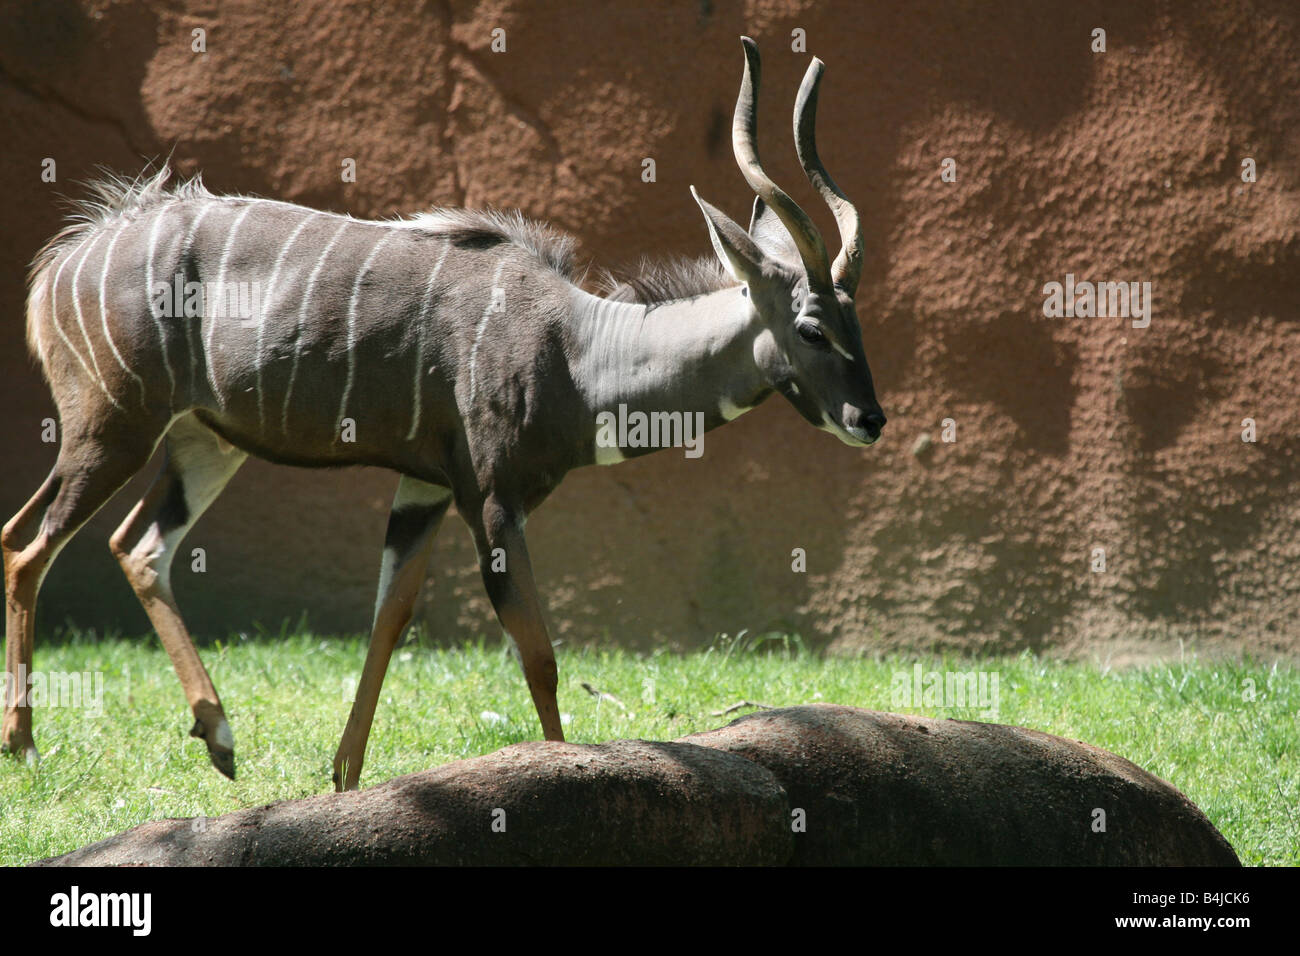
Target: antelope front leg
(418, 509)
(508, 577)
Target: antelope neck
(689, 355)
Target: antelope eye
(810, 332)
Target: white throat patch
(730, 410)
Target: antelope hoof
(221, 745)
(17, 741)
(26, 752)
(223, 761)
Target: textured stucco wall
(1072, 433)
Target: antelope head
(810, 344)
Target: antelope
(457, 346)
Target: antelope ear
(736, 251)
(770, 234)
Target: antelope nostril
(866, 422)
(862, 422)
(874, 422)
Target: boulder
(626, 802)
(816, 785)
(881, 789)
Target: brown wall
(1072, 433)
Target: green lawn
(1224, 733)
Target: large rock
(804, 785)
(627, 802)
(887, 789)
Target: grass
(1193, 723)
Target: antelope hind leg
(197, 468)
(91, 467)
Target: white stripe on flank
(419, 342)
(103, 313)
(302, 312)
(482, 327)
(54, 317)
(352, 330)
(76, 309)
(186, 244)
(148, 299)
(265, 307)
(221, 291)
